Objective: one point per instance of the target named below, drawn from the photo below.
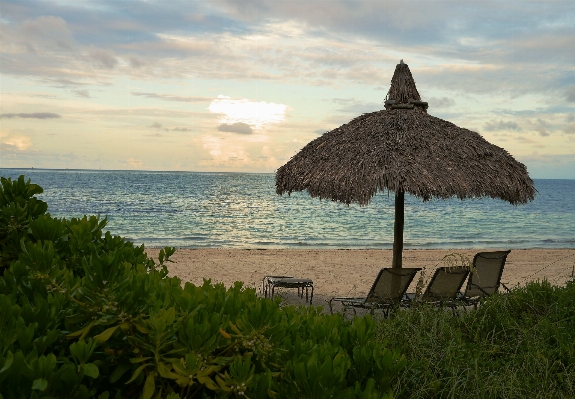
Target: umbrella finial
(403, 93)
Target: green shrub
(87, 314)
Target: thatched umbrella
(403, 149)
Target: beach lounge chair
(486, 278)
(386, 292)
(443, 288)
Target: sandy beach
(349, 272)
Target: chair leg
(330, 305)
(311, 297)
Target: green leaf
(149, 386)
(103, 337)
(119, 372)
(40, 384)
(91, 370)
(82, 332)
(7, 362)
(137, 373)
(207, 381)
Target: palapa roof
(403, 148)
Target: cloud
(443, 102)
(570, 94)
(170, 97)
(493, 126)
(526, 140)
(136, 62)
(46, 33)
(156, 125)
(356, 107)
(181, 129)
(33, 115)
(134, 163)
(102, 58)
(18, 142)
(81, 93)
(541, 127)
(320, 131)
(238, 127)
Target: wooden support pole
(398, 230)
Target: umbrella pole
(398, 230)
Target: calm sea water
(185, 209)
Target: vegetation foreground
(86, 314)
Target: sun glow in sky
(242, 86)
(253, 113)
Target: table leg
(311, 297)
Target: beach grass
(515, 345)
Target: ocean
(241, 210)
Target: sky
(242, 86)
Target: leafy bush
(515, 345)
(87, 314)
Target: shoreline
(349, 272)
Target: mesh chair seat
(443, 287)
(486, 279)
(386, 292)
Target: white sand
(349, 272)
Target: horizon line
(186, 171)
(132, 170)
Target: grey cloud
(170, 97)
(503, 46)
(41, 95)
(181, 129)
(569, 128)
(541, 127)
(463, 29)
(443, 102)
(81, 93)
(33, 115)
(136, 62)
(320, 131)
(570, 94)
(501, 125)
(238, 127)
(102, 58)
(156, 125)
(46, 32)
(64, 83)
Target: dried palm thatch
(403, 149)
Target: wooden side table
(269, 283)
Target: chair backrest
(390, 285)
(445, 283)
(487, 278)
